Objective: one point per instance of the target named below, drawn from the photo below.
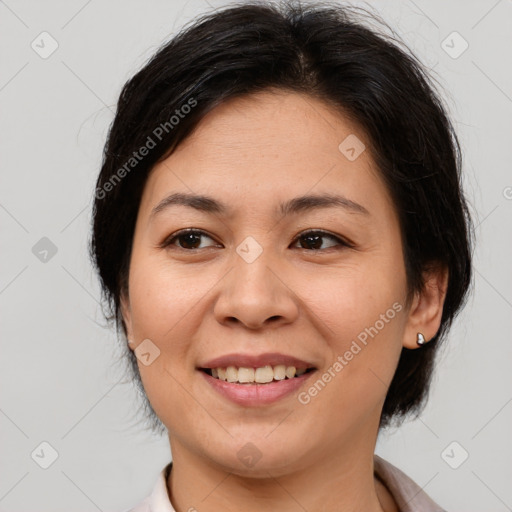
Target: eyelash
(169, 241)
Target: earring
(420, 340)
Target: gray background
(59, 380)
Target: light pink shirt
(407, 494)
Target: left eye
(313, 240)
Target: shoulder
(158, 500)
(408, 495)
(143, 506)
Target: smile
(252, 393)
(262, 375)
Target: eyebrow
(292, 206)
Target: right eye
(188, 239)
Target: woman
(280, 231)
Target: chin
(257, 459)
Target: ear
(126, 313)
(426, 309)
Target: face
(319, 281)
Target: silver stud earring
(420, 340)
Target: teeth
(231, 374)
(280, 372)
(245, 374)
(262, 375)
(290, 371)
(257, 375)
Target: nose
(256, 295)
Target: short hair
(325, 51)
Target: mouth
(256, 376)
(254, 380)
(260, 386)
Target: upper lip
(255, 361)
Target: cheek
(364, 348)
(162, 296)
(347, 300)
(362, 314)
(162, 303)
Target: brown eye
(314, 240)
(188, 239)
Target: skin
(253, 153)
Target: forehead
(280, 124)
(268, 144)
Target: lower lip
(257, 394)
